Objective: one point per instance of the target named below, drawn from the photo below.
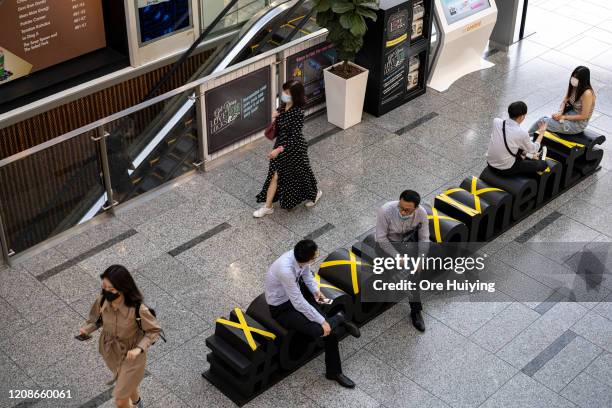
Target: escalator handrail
(190, 50)
(154, 100)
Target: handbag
(568, 107)
(270, 131)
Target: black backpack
(138, 320)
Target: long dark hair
(122, 280)
(583, 75)
(296, 89)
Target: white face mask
(285, 98)
(574, 82)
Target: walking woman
(290, 179)
(577, 106)
(126, 333)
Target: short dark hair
(296, 89)
(122, 280)
(411, 196)
(517, 109)
(305, 250)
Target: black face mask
(109, 296)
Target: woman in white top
(577, 106)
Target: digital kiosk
(464, 29)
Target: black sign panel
(394, 57)
(238, 109)
(307, 66)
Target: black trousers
(522, 167)
(291, 319)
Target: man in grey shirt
(404, 221)
(290, 309)
(508, 140)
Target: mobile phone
(82, 337)
(326, 301)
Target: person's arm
(296, 298)
(150, 326)
(424, 228)
(527, 145)
(587, 106)
(381, 235)
(557, 115)
(310, 281)
(92, 319)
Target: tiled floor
(525, 349)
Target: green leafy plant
(346, 22)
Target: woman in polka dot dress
(290, 179)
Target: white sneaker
(313, 203)
(263, 211)
(544, 151)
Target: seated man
(403, 221)
(291, 309)
(510, 146)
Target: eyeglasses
(406, 211)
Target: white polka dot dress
(296, 182)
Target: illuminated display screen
(36, 34)
(160, 18)
(456, 10)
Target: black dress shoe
(341, 379)
(352, 329)
(417, 321)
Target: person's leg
(528, 167)
(135, 397)
(272, 190)
(333, 365)
(123, 403)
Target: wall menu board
(238, 109)
(160, 18)
(36, 34)
(455, 10)
(394, 58)
(307, 66)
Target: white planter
(344, 97)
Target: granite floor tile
(504, 326)
(171, 275)
(443, 362)
(596, 329)
(43, 261)
(74, 283)
(170, 400)
(567, 364)
(12, 378)
(132, 253)
(586, 48)
(152, 208)
(27, 295)
(601, 368)
(386, 385)
(328, 394)
(524, 392)
(596, 218)
(604, 308)
(282, 395)
(58, 330)
(588, 392)
(12, 321)
(515, 283)
(93, 235)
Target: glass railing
(68, 180)
(242, 12)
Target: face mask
(109, 296)
(285, 98)
(404, 217)
(574, 82)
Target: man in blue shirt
(289, 307)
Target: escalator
(168, 147)
(175, 146)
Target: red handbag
(270, 131)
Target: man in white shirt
(510, 144)
(290, 309)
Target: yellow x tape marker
(248, 330)
(564, 142)
(436, 217)
(325, 285)
(449, 200)
(353, 262)
(476, 192)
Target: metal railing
(26, 176)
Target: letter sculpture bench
(250, 351)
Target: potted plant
(345, 82)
